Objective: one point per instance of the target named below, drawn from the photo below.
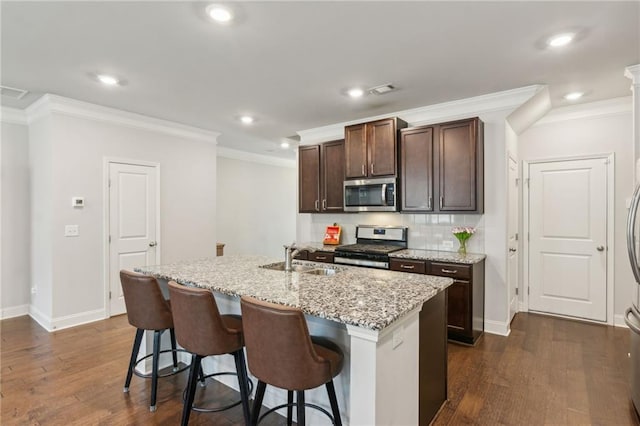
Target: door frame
(512, 156)
(610, 159)
(106, 165)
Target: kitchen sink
(323, 271)
(303, 269)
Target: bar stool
(281, 353)
(202, 331)
(147, 309)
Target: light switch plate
(71, 231)
(447, 244)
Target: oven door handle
(384, 194)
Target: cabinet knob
(317, 203)
(371, 168)
(324, 204)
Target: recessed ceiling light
(355, 92)
(246, 119)
(573, 96)
(284, 145)
(109, 80)
(219, 13)
(560, 40)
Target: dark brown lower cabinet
(465, 315)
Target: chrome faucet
(290, 252)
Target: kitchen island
(391, 326)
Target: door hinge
(516, 291)
(109, 239)
(526, 181)
(516, 236)
(528, 290)
(109, 295)
(109, 183)
(528, 237)
(517, 181)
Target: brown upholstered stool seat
(281, 353)
(147, 309)
(201, 330)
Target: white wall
(600, 128)
(15, 279)
(256, 205)
(68, 151)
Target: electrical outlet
(71, 231)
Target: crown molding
(50, 104)
(633, 72)
(598, 109)
(452, 110)
(13, 116)
(255, 158)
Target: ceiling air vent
(382, 90)
(12, 92)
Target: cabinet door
(355, 151)
(309, 179)
(332, 179)
(416, 169)
(457, 166)
(381, 140)
(459, 314)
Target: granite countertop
(444, 256)
(368, 298)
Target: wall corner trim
(60, 323)
(633, 72)
(49, 104)
(13, 116)
(251, 157)
(458, 109)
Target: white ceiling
(288, 63)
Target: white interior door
(512, 232)
(568, 238)
(132, 224)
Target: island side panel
(433, 357)
(384, 379)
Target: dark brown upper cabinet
(442, 167)
(416, 169)
(321, 177)
(370, 148)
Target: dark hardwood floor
(548, 371)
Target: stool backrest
(279, 348)
(147, 308)
(198, 324)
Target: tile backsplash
(426, 231)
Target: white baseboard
(497, 327)
(60, 323)
(618, 321)
(14, 311)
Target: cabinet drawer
(321, 256)
(302, 255)
(453, 270)
(405, 265)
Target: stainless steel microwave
(370, 195)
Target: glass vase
(463, 247)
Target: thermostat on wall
(77, 201)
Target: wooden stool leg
(243, 383)
(300, 420)
(331, 390)
(257, 402)
(134, 356)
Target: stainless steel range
(374, 243)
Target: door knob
(153, 244)
(600, 248)
(512, 250)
